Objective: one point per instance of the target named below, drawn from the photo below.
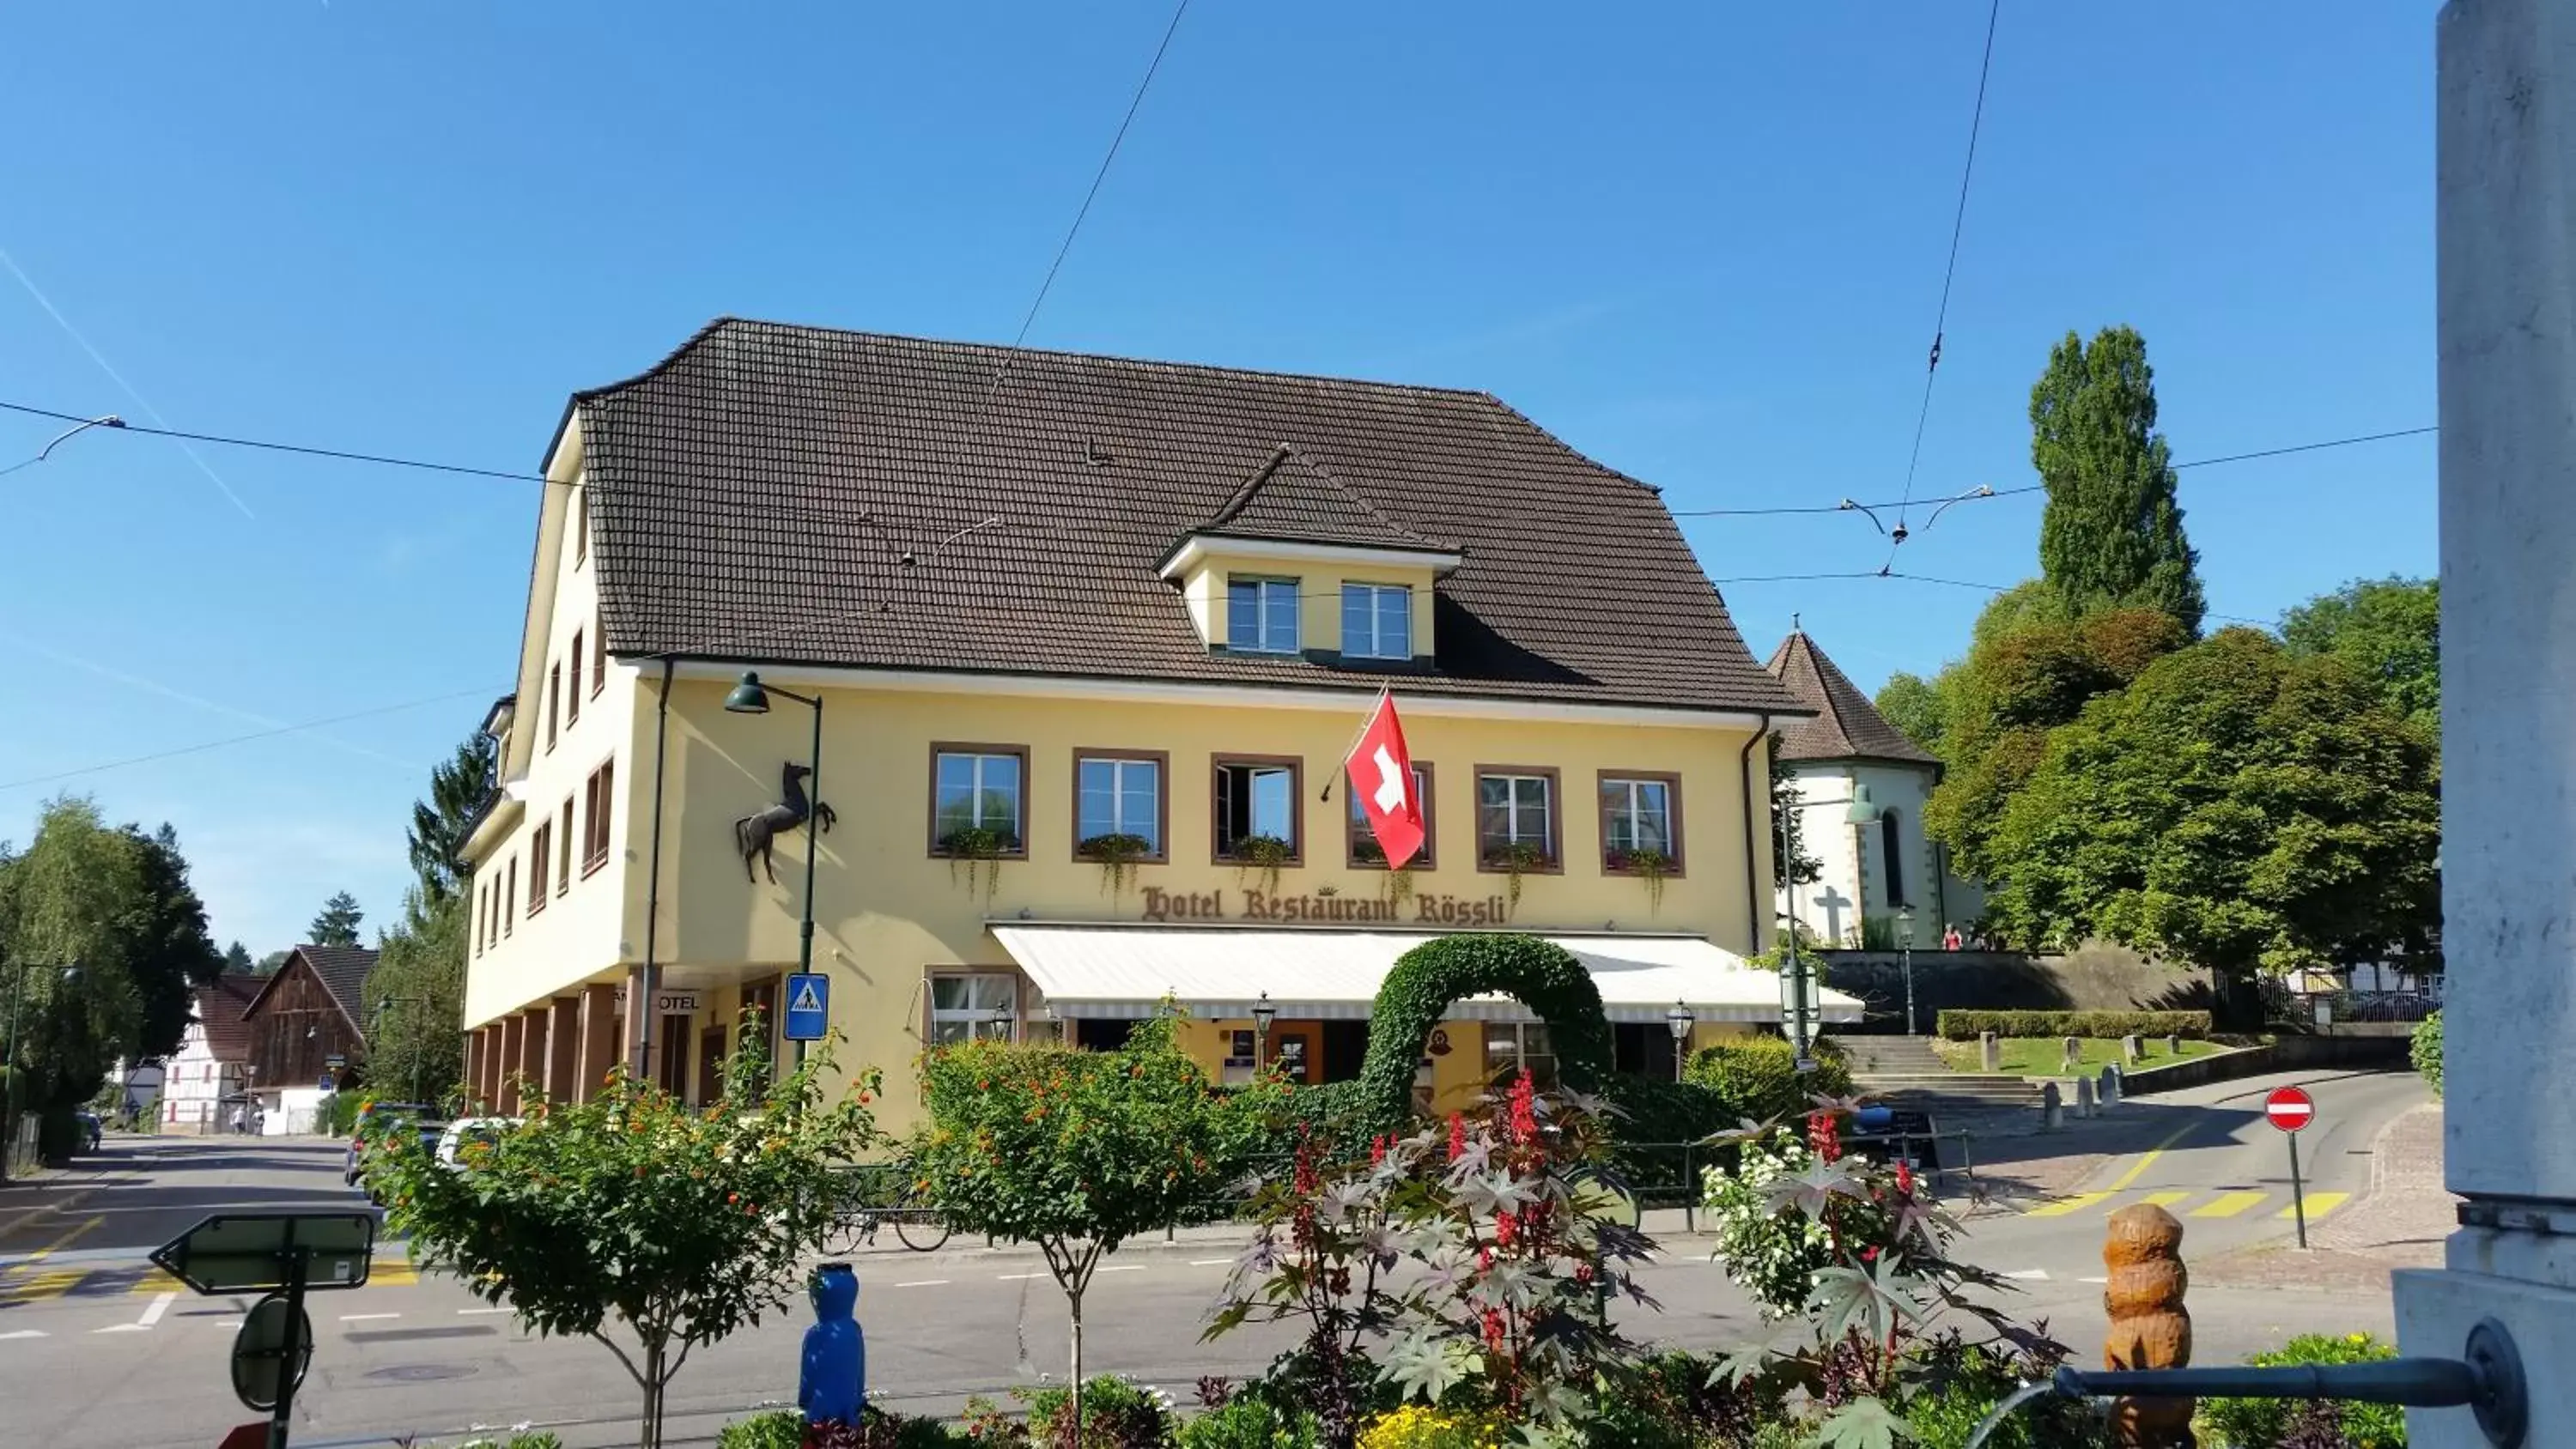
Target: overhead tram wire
(1949, 274)
(203, 746)
(303, 449)
(1923, 579)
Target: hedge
(1757, 1076)
(1969, 1025)
(1540, 975)
(2425, 1050)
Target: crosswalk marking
(37, 1287)
(2319, 1204)
(2228, 1204)
(2163, 1199)
(2066, 1205)
(382, 1273)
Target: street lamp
(1905, 944)
(1679, 1019)
(750, 696)
(1001, 1019)
(9, 1098)
(1797, 1002)
(111, 420)
(1263, 1013)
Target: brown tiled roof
(782, 494)
(1293, 499)
(220, 1004)
(1847, 726)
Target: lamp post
(1263, 1013)
(1905, 944)
(1000, 1019)
(9, 1100)
(1679, 1019)
(752, 697)
(384, 1008)
(1797, 1003)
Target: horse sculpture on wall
(756, 834)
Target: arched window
(1887, 840)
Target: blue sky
(1702, 243)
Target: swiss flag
(1381, 771)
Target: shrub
(1675, 1401)
(1968, 1025)
(2426, 1050)
(1416, 1426)
(1117, 1413)
(1540, 975)
(2263, 1423)
(777, 1429)
(1773, 1255)
(1756, 1077)
(1247, 1422)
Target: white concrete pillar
(2506, 233)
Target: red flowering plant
(1879, 1278)
(1511, 1245)
(634, 1211)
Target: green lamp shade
(748, 697)
(1862, 812)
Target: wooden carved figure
(2150, 1328)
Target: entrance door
(671, 1073)
(711, 1060)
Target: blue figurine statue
(832, 1381)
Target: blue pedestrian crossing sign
(809, 1006)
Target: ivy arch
(1541, 975)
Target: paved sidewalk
(2400, 1224)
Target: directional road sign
(2289, 1109)
(253, 1252)
(809, 1006)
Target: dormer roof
(1846, 726)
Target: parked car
(372, 1116)
(454, 1138)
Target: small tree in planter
(1078, 1151)
(632, 1208)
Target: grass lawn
(2045, 1056)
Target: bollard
(2150, 1327)
(2073, 1059)
(2084, 1106)
(2112, 1085)
(1990, 1054)
(2133, 1050)
(2052, 1108)
(2173, 1044)
(832, 1375)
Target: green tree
(1078, 1151)
(2007, 695)
(237, 960)
(417, 992)
(69, 901)
(2235, 807)
(337, 925)
(169, 955)
(268, 965)
(1918, 707)
(2111, 535)
(458, 791)
(632, 1209)
(2390, 631)
(1791, 863)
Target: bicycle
(919, 1224)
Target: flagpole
(1384, 693)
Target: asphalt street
(97, 1350)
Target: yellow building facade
(1088, 664)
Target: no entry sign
(2289, 1108)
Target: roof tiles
(1847, 726)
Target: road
(96, 1352)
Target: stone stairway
(1905, 1070)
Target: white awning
(1116, 972)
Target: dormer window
(1261, 615)
(1377, 621)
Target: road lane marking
(123, 1328)
(924, 1283)
(366, 1317)
(56, 1246)
(1209, 1262)
(2092, 1280)
(2228, 1204)
(1120, 1268)
(37, 1287)
(2030, 1275)
(2065, 1205)
(2163, 1199)
(1016, 1277)
(22, 1333)
(2319, 1204)
(160, 1305)
(2149, 1159)
(471, 1312)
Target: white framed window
(1516, 818)
(1119, 795)
(979, 794)
(1514, 1047)
(1639, 822)
(1256, 799)
(1261, 615)
(962, 1006)
(1377, 621)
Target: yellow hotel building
(1089, 638)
